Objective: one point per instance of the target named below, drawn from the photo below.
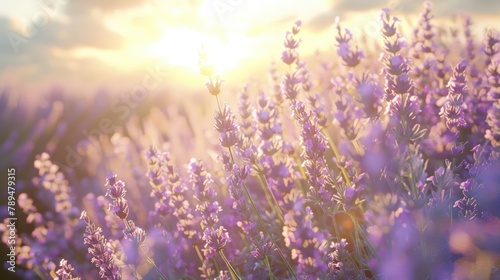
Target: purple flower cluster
(350, 57)
(291, 80)
(314, 148)
(453, 109)
(290, 55)
(102, 256)
(66, 271)
(216, 237)
(492, 48)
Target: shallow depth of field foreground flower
(379, 160)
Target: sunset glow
(179, 47)
(103, 43)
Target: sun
(179, 47)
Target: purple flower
(453, 109)
(296, 27)
(216, 240)
(493, 120)
(424, 32)
(269, 127)
(388, 29)
(290, 41)
(136, 234)
(236, 179)
(262, 247)
(396, 72)
(290, 85)
(400, 84)
(350, 57)
(120, 208)
(101, 254)
(224, 124)
(306, 244)
(65, 272)
(245, 110)
(395, 46)
(467, 206)
(469, 38)
(491, 46)
(320, 112)
(289, 56)
(493, 73)
(116, 190)
(213, 85)
(403, 112)
(111, 178)
(397, 65)
(314, 146)
(444, 179)
(370, 95)
(200, 180)
(223, 275)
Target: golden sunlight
(179, 47)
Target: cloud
(78, 32)
(40, 46)
(357, 5)
(280, 23)
(442, 8)
(109, 28)
(5, 28)
(481, 7)
(75, 7)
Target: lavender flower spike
(65, 272)
(453, 109)
(101, 254)
(224, 124)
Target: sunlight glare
(179, 47)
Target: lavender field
(378, 158)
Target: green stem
(39, 273)
(152, 262)
(218, 103)
(263, 225)
(337, 155)
(267, 190)
(358, 147)
(268, 265)
(198, 252)
(266, 193)
(254, 208)
(304, 176)
(232, 271)
(216, 263)
(149, 259)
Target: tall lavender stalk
(228, 132)
(102, 257)
(215, 237)
(65, 272)
(453, 110)
(492, 48)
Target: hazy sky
(96, 43)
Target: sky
(87, 45)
